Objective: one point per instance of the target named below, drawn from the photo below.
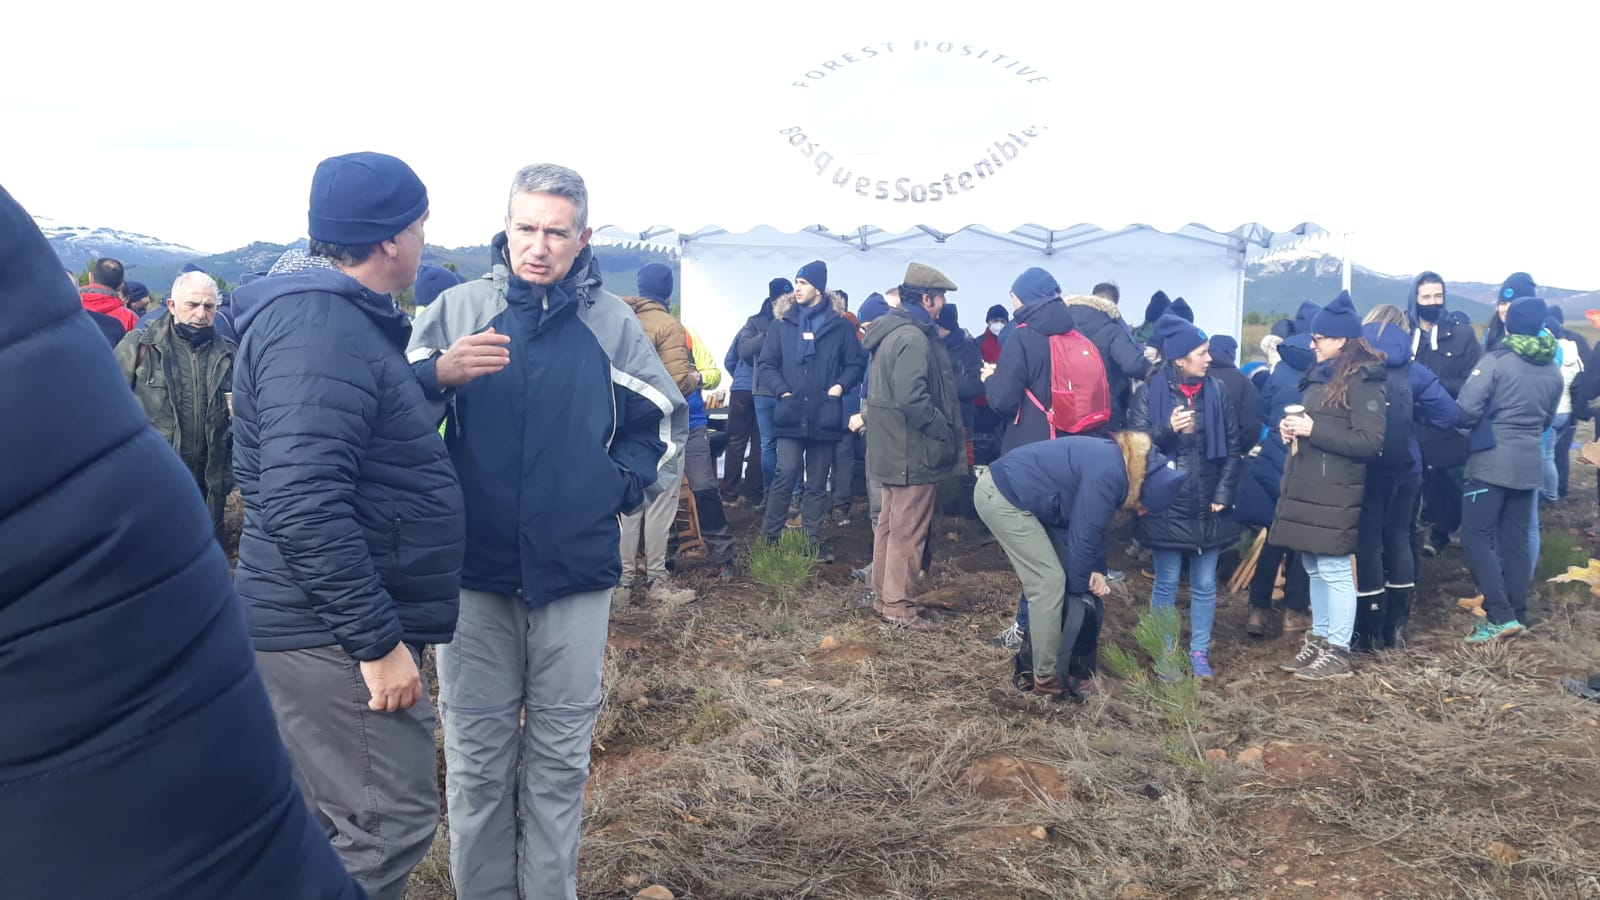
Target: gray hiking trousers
(370, 778)
(515, 791)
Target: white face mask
(996, 327)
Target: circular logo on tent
(915, 121)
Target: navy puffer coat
(139, 756)
(353, 528)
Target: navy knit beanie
(948, 318)
(1157, 306)
(655, 282)
(431, 282)
(1035, 284)
(1224, 350)
(777, 287)
(997, 312)
(1338, 319)
(872, 308)
(1180, 308)
(1519, 284)
(363, 198)
(1526, 316)
(1177, 337)
(815, 272)
(136, 291)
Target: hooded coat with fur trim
(1100, 321)
(809, 413)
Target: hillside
(1274, 288)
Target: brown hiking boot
(1256, 624)
(1295, 621)
(1331, 663)
(1309, 653)
(915, 623)
(1047, 686)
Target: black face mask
(196, 335)
(1430, 312)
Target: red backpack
(1080, 394)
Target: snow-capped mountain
(77, 245)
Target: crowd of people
(488, 475)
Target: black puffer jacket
(1190, 524)
(810, 414)
(1025, 366)
(1319, 503)
(1100, 321)
(354, 527)
(747, 344)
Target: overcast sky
(1441, 136)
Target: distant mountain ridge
(1274, 286)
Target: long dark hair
(1355, 354)
(1496, 330)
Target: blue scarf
(1212, 423)
(811, 320)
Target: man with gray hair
(181, 372)
(559, 417)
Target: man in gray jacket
(560, 418)
(914, 436)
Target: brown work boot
(1295, 621)
(1047, 686)
(917, 622)
(1256, 624)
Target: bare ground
(754, 749)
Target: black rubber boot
(1396, 617)
(1368, 634)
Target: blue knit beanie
(1177, 337)
(815, 272)
(363, 198)
(1518, 284)
(948, 317)
(135, 290)
(1180, 308)
(777, 287)
(1338, 319)
(1035, 284)
(431, 282)
(655, 282)
(872, 308)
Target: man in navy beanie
(810, 358)
(1024, 364)
(350, 559)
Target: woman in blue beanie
(1188, 417)
(1508, 402)
(1339, 429)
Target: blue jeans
(1202, 590)
(1333, 598)
(1552, 476)
(769, 441)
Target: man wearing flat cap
(914, 436)
(350, 559)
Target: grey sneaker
(862, 574)
(1330, 663)
(1010, 639)
(664, 591)
(1310, 651)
